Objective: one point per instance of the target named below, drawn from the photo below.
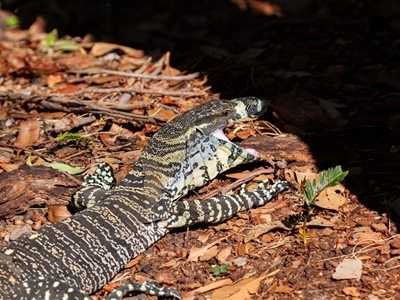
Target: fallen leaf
(28, 133)
(224, 254)
(195, 252)
(244, 134)
(243, 249)
(72, 88)
(103, 79)
(240, 290)
(258, 230)
(101, 48)
(53, 79)
(208, 287)
(57, 213)
(284, 289)
(170, 263)
(161, 112)
(209, 254)
(330, 198)
(351, 291)
(8, 167)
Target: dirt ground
(331, 70)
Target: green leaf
(51, 37)
(224, 268)
(12, 21)
(215, 271)
(65, 45)
(218, 270)
(64, 168)
(29, 160)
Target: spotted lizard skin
(77, 256)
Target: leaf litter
(116, 96)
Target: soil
(331, 71)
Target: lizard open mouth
(219, 134)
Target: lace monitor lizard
(77, 256)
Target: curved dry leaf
(195, 252)
(209, 254)
(224, 254)
(332, 197)
(57, 213)
(258, 230)
(101, 48)
(206, 288)
(28, 133)
(242, 289)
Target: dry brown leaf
(258, 230)
(320, 222)
(57, 213)
(206, 288)
(53, 79)
(134, 261)
(243, 249)
(107, 139)
(239, 175)
(166, 100)
(72, 88)
(209, 254)
(351, 291)
(170, 263)
(169, 71)
(366, 238)
(52, 115)
(284, 289)
(224, 254)
(104, 79)
(242, 289)
(195, 252)
(8, 167)
(28, 133)
(330, 198)
(244, 134)
(101, 48)
(161, 112)
(203, 238)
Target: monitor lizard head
(192, 149)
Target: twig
(239, 182)
(133, 90)
(87, 106)
(55, 102)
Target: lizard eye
(225, 113)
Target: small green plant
(72, 136)
(219, 270)
(12, 21)
(328, 178)
(53, 42)
(64, 168)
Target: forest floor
(332, 74)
